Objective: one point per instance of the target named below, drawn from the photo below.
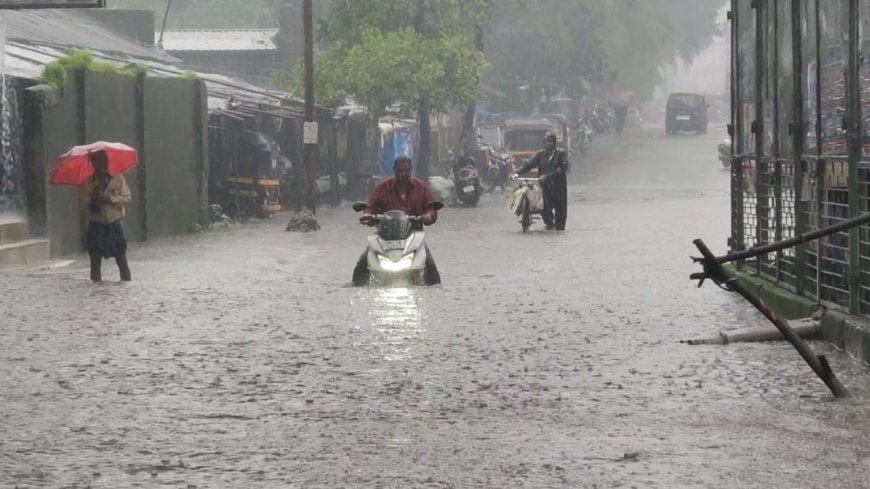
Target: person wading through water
(552, 165)
(106, 197)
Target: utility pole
(163, 27)
(290, 40)
(423, 120)
(310, 131)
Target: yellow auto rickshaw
(560, 127)
(253, 186)
(524, 137)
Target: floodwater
(239, 359)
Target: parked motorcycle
(466, 181)
(497, 173)
(397, 253)
(725, 152)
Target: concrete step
(25, 253)
(13, 231)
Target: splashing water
(11, 139)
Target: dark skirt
(106, 240)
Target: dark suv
(686, 112)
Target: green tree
(416, 52)
(577, 43)
(639, 37)
(349, 19)
(548, 41)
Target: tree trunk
(425, 140)
(468, 138)
(374, 141)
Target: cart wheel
(526, 213)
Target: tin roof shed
(232, 40)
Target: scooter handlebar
(375, 219)
(525, 180)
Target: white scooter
(397, 253)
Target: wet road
(239, 359)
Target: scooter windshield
(394, 226)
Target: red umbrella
(74, 167)
(623, 95)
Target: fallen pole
(714, 270)
(797, 240)
(805, 328)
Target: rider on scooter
(552, 165)
(405, 193)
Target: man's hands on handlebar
(370, 220)
(541, 179)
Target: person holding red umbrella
(106, 196)
(96, 169)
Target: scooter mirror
(436, 205)
(359, 206)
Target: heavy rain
(266, 338)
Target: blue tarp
(399, 143)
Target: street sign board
(23, 4)
(309, 133)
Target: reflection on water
(397, 322)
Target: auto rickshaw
(491, 133)
(560, 127)
(253, 187)
(524, 137)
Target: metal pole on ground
(714, 270)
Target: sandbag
(442, 188)
(303, 222)
(514, 200)
(536, 199)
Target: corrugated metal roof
(219, 40)
(26, 60)
(68, 29)
(36, 38)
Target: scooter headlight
(402, 265)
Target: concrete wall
(110, 110)
(165, 119)
(849, 333)
(52, 126)
(176, 170)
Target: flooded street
(240, 359)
